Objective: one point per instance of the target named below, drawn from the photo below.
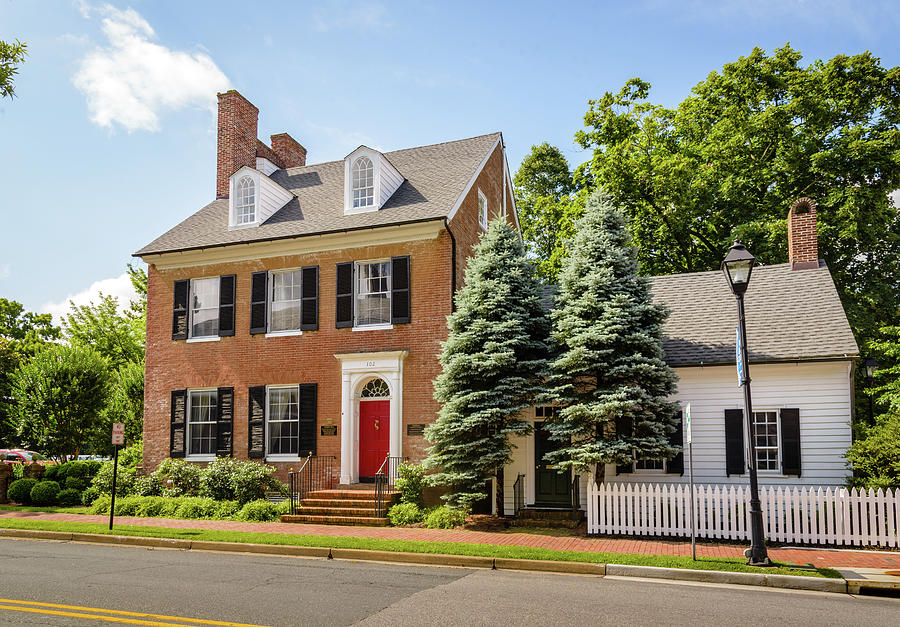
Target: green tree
(610, 378)
(11, 57)
(493, 364)
(875, 457)
(126, 405)
(22, 333)
(752, 138)
(60, 396)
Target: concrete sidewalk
(832, 558)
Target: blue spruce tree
(609, 376)
(494, 364)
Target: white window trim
(282, 456)
(188, 456)
(270, 298)
(379, 325)
(190, 312)
(349, 162)
(777, 472)
(253, 175)
(484, 224)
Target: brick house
(302, 309)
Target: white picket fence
(837, 516)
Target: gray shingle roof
(435, 177)
(791, 315)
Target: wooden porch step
(368, 521)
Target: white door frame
(356, 370)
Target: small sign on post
(118, 439)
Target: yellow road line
(114, 619)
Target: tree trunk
(599, 474)
(498, 493)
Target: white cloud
(345, 14)
(120, 287)
(132, 80)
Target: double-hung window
(363, 183)
(285, 301)
(245, 201)
(204, 309)
(765, 439)
(373, 293)
(202, 414)
(283, 421)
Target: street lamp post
(737, 267)
(871, 366)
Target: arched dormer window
(245, 201)
(363, 183)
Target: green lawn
(78, 509)
(411, 546)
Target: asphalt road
(58, 583)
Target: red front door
(374, 432)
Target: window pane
(202, 423)
(373, 293)
(765, 439)
(285, 301)
(283, 421)
(204, 307)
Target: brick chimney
(803, 245)
(289, 150)
(236, 138)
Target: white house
(802, 354)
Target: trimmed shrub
(217, 480)
(410, 482)
(124, 481)
(89, 495)
(185, 478)
(227, 509)
(20, 490)
(127, 505)
(405, 514)
(259, 511)
(151, 506)
(69, 497)
(75, 483)
(45, 493)
(51, 473)
(196, 508)
(100, 505)
(251, 480)
(444, 518)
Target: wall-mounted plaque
(415, 429)
(328, 429)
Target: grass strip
(414, 546)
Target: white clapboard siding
(390, 180)
(821, 391)
(796, 514)
(272, 197)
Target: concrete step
(335, 520)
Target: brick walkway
(818, 557)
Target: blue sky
(111, 138)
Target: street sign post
(118, 439)
(687, 426)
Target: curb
(792, 582)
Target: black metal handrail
(316, 473)
(385, 481)
(518, 495)
(575, 494)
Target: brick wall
(236, 141)
(292, 154)
(803, 245)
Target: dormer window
(363, 183)
(245, 201)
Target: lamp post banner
(738, 360)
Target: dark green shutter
(308, 401)
(675, 466)
(790, 441)
(734, 442)
(400, 297)
(226, 305)
(343, 309)
(624, 430)
(258, 293)
(225, 422)
(309, 302)
(177, 423)
(256, 423)
(180, 310)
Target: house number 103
(370, 364)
